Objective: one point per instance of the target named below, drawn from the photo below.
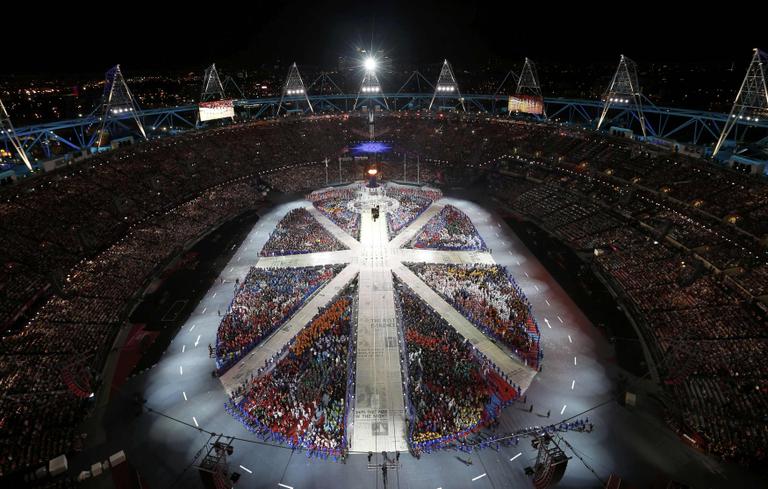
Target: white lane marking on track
(574, 360)
(204, 309)
(537, 288)
(195, 420)
(547, 321)
(185, 395)
(573, 384)
(246, 469)
(563, 410)
(479, 476)
(513, 458)
(181, 370)
(560, 319)
(545, 300)
(214, 295)
(283, 485)
(183, 348)
(569, 338)
(526, 274)
(193, 327)
(197, 340)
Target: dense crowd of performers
(452, 390)
(334, 204)
(301, 399)
(491, 299)
(413, 202)
(450, 229)
(263, 302)
(299, 232)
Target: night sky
(82, 38)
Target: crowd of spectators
(491, 299)
(450, 229)
(302, 399)
(334, 204)
(80, 240)
(413, 202)
(263, 302)
(452, 390)
(705, 328)
(299, 232)
(74, 329)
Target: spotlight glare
(370, 64)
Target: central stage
(377, 421)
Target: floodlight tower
(528, 83)
(624, 92)
(6, 127)
(118, 103)
(370, 88)
(751, 104)
(446, 87)
(212, 87)
(294, 87)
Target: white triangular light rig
(294, 87)
(446, 87)
(624, 93)
(528, 83)
(370, 87)
(118, 103)
(213, 89)
(7, 130)
(751, 104)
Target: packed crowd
(334, 204)
(451, 389)
(302, 400)
(74, 329)
(701, 326)
(299, 232)
(489, 297)
(97, 228)
(413, 201)
(262, 303)
(450, 229)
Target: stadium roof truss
(294, 91)
(684, 125)
(413, 85)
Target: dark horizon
(64, 41)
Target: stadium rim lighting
(370, 64)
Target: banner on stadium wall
(219, 109)
(529, 104)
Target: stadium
(387, 287)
